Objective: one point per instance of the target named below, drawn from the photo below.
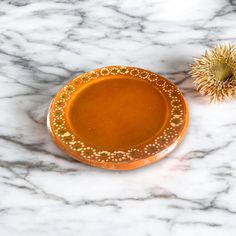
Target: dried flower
(215, 73)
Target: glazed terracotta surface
(118, 117)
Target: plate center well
(117, 113)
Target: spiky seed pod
(215, 73)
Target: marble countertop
(42, 192)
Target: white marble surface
(42, 43)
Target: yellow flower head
(215, 73)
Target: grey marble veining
(42, 192)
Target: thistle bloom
(215, 73)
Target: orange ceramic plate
(118, 117)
